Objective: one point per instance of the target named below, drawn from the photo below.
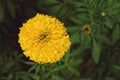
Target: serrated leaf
(75, 38)
(95, 51)
(116, 34)
(1, 14)
(11, 8)
(73, 28)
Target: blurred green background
(93, 56)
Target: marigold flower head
(44, 39)
(87, 29)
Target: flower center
(86, 29)
(44, 36)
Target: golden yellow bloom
(87, 29)
(44, 39)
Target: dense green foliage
(94, 56)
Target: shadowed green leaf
(10, 76)
(11, 8)
(85, 40)
(49, 2)
(103, 38)
(73, 28)
(75, 52)
(57, 78)
(29, 63)
(75, 38)
(75, 20)
(1, 14)
(55, 9)
(116, 67)
(73, 70)
(108, 23)
(76, 62)
(115, 34)
(59, 67)
(95, 51)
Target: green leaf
(32, 68)
(109, 78)
(73, 70)
(47, 74)
(95, 51)
(75, 52)
(80, 9)
(50, 2)
(10, 76)
(102, 38)
(75, 38)
(26, 75)
(73, 28)
(85, 40)
(75, 20)
(116, 67)
(59, 67)
(108, 23)
(63, 11)
(35, 76)
(116, 34)
(55, 9)
(37, 69)
(29, 63)
(91, 3)
(1, 14)
(67, 57)
(85, 79)
(82, 35)
(54, 77)
(78, 3)
(11, 8)
(76, 62)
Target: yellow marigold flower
(87, 29)
(44, 39)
